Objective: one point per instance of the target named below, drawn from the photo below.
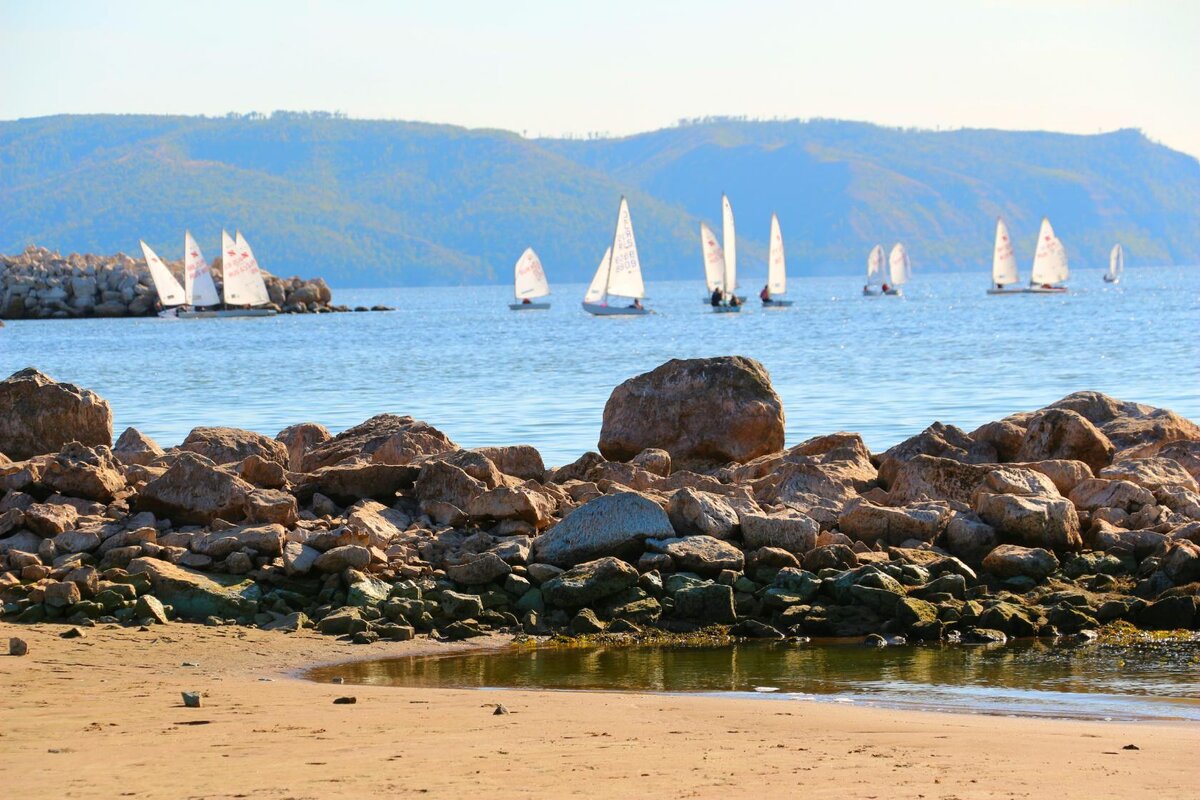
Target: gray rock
(1010, 560)
(791, 531)
(694, 512)
(612, 525)
(710, 603)
(149, 607)
(349, 556)
(486, 568)
(586, 583)
(1033, 521)
(701, 554)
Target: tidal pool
(1159, 680)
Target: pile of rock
(1044, 523)
(40, 284)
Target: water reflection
(1096, 681)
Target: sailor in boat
(734, 302)
(885, 288)
(765, 295)
(716, 297)
(526, 302)
(637, 303)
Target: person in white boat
(765, 294)
(526, 302)
(637, 303)
(717, 296)
(734, 302)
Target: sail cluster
(243, 283)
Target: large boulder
(1154, 473)
(80, 471)
(1062, 433)
(385, 438)
(710, 603)
(693, 512)
(611, 525)
(39, 415)
(134, 447)
(870, 523)
(1010, 561)
(263, 539)
(519, 460)
(356, 480)
(194, 595)
(586, 583)
(519, 503)
(299, 439)
(195, 490)
(230, 445)
(938, 440)
(441, 481)
(1096, 493)
(791, 531)
(1049, 522)
(701, 411)
(924, 477)
(705, 555)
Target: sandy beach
(102, 716)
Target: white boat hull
(1046, 290)
(227, 312)
(894, 292)
(614, 311)
(777, 303)
(529, 306)
(1007, 291)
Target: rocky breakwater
(41, 284)
(1046, 523)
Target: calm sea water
(1092, 681)
(459, 359)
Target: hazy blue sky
(616, 66)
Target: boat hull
(708, 300)
(227, 312)
(1046, 290)
(529, 306)
(614, 311)
(894, 292)
(1007, 291)
(726, 309)
(1109, 279)
(777, 303)
(871, 293)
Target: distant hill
(374, 203)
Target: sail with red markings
(625, 268)
(529, 279)
(714, 258)
(243, 284)
(1050, 260)
(198, 286)
(1004, 258)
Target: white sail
(776, 270)
(875, 266)
(625, 270)
(529, 280)
(1050, 260)
(1116, 262)
(714, 258)
(170, 293)
(899, 265)
(1004, 259)
(595, 292)
(198, 286)
(729, 240)
(243, 284)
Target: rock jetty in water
(41, 284)
(1048, 522)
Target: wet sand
(102, 717)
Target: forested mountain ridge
(371, 203)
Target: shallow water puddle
(1089, 681)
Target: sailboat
(170, 293)
(1116, 265)
(242, 284)
(529, 283)
(776, 270)
(732, 303)
(714, 260)
(874, 285)
(1004, 263)
(619, 273)
(900, 269)
(1049, 263)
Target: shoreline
(93, 713)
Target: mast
(616, 232)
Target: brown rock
(1059, 433)
(704, 555)
(351, 481)
(866, 522)
(1064, 473)
(263, 539)
(39, 415)
(938, 440)
(790, 531)
(47, 519)
(263, 473)
(925, 477)
(1010, 560)
(442, 481)
(1096, 493)
(693, 512)
(135, 447)
(1154, 473)
(519, 503)
(299, 439)
(194, 490)
(653, 460)
(230, 445)
(397, 440)
(701, 411)
(272, 506)
(521, 461)
(1034, 521)
(80, 471)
